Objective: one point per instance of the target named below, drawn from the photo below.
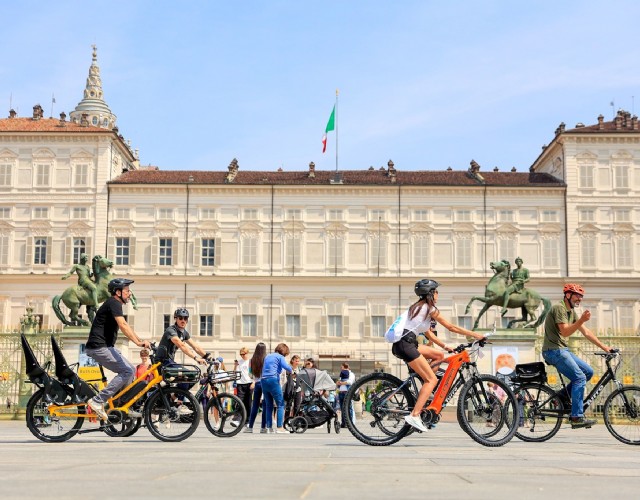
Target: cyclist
(177, 337)
(561, 323)
(417, 319)
(102, 339)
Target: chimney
(634, 122)
(63, 117)
(513, 169)
(37, 112)
(12, 113)
(312, 170)
(560, 128)
(618, 121)
(496, 169)
(391, 172)
(600, 122)
(474, 172)
(233, 171)
(84, 120)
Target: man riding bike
(561, 323)
(101, 344)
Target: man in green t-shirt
(561, 323)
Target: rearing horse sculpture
(527, 299)
(75, 297)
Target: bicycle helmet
(181, 311)
(118, 284)
(425, 287)
(573, 288)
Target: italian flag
(331, 125)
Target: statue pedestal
(506, 348)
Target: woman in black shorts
(417, 319)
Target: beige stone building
(321, 260)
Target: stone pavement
(445, 463)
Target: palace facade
(322, 260)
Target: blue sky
(429, 84)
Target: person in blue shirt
(274, 363)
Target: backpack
(396, 330)
(289, 388)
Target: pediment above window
(420, 227)
(121, 228)
(550, 227)
(464, 227)
(507, 228)
(250, 227)
(79, 228)
(81, 155)
(335, 227)
(40, 228)
(7, 155)
(588, 228)
(43, 153)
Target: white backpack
(396, 330)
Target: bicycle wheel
(48, 428)
(172, 414)
(543, 411)
(622, 414)
(382, 422)
(124, 428)
(225, 415)
(489, 419)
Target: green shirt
(558, 314)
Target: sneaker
(272, 431)
(98, 408)
(134, 414)
(183, 410)
(248, 430)
(415, 422)
(281, 431)
(234, 423)
(263, 431)
(580, 422)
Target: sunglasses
(183, 318)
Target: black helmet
(425, 287)
(118, 284)
(181, 311)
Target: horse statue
(77, 296)
(526, 299)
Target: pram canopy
(312, 379)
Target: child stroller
(314, 410)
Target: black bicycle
(224, 413)
(545, 409)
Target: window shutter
(345, 326)
(216, 326)
(323, 327)
(49, 258)
(111, 248)
(132, 251)
(217, 252)
(260, 326)
(238, 326)
(281, 326)
(88, 241)
(154, 251)
(28, 253)
(303, 326)
(367, 327)
(4, 254)
(197, 250)
(68, 250)
(177, 251)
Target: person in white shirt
(245, 385)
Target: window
(420, 252)
(294, 214)
(463, 215)
(79, 247)
(506, 216)
(5, 174)
(40, 213)
(122, 213)
(206, 325)
(588, 252)
(463, 252)
(249, 325)
(5, 212)
(207, 214)
(336, 252)
(166, 321)
(4, 251)
(507, 249)
(79, 213)
(122, 251)
(94, 120)
(621, 176)
(208, 252)
(626, 319)
(293, 251)
(250, 214)
(623, 252)
(40, 251)
(465, 322)
(587, 215)
(82, 174)
(378, 326)
(421, 215)
(165, 213)
(585, 179)
(336, 214)
(165, 251)
(623, 215)
(549, 216)
(377, 215)
(293, 325)
(378, 252)
(334, 326)
(42, 175)
(250, 251)
(550, 253)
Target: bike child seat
(531, 372)
(53, 390)
(81, 390)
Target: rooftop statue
(90, 292)
(499, 292)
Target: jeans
(273, 396)
(577, 370)
(257, 395)
(113, 360)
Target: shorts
(406, 348)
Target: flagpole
(336, 130)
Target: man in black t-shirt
(101, 342)
(177, 337)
